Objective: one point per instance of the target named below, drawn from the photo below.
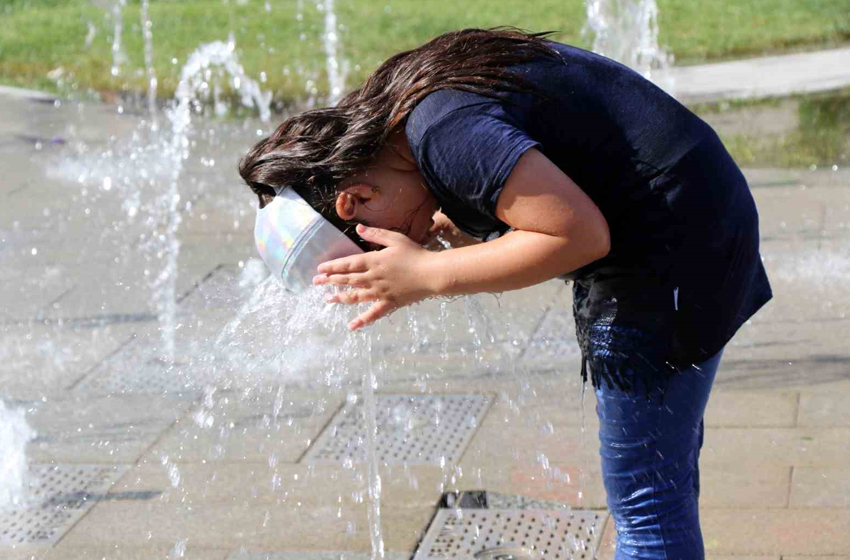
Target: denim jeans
(650, 446)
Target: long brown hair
(313, 151)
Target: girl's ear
(346, 205)
(349, 201)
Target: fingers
(349, 297)
(353, 280)
(355, 263)
(383, 237)
(375, 312)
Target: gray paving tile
(106, 429)
(819, 487)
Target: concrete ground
(213, 458)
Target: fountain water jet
(118, 56)
(627, 31)
(195, 77)
(14, 435)
(147, 33)
(336, 76)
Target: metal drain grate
(123, 374)
(486, 525)
(508, 501)
(313, 556)
(412, 429)
(518, 534)
(58, 496)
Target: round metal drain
(507, 553)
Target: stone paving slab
(118, 552)
(241, 432)
(111, 429)
(43, 360)
(816, 557)
(304, 555)
(257, 528)
(786, 355)
(608, 548)
(820, 487)
(751, 408)
(824, 409)
(285, 484)
(786, 532)
(777, 446)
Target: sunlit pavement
(211, 457)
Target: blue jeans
(650, 448)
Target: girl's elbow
(602, 246)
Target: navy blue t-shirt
(684, 270)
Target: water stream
(330, 40)
(118, 56)
(198, 78)
(147, 33)
(370, 385)
(14, 435)
(627, 31)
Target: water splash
(196, 79)
(14, 435)
(147, 33)
(627, 31)
(370, 384)
(118, 56)
(330, 39)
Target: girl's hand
(444, 227)
(401, 274)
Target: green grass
(37, 36)
(822, 137)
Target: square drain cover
(412, 429)
(471, 528)
(59, 495)
(126, 374)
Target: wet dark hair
(314, 151)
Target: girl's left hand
(401, 274)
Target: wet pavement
(250, 444)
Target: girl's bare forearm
(516, 260)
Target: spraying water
(147, 32)
(196, 77)
(118, 56)
(370, 383)
(336, 77)
(14, 435)
(627, 31)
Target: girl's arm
(557, 230)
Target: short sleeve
(469, 153)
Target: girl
(571, 166)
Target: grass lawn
(283, 37)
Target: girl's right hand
(444, 227)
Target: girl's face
(391, 195)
